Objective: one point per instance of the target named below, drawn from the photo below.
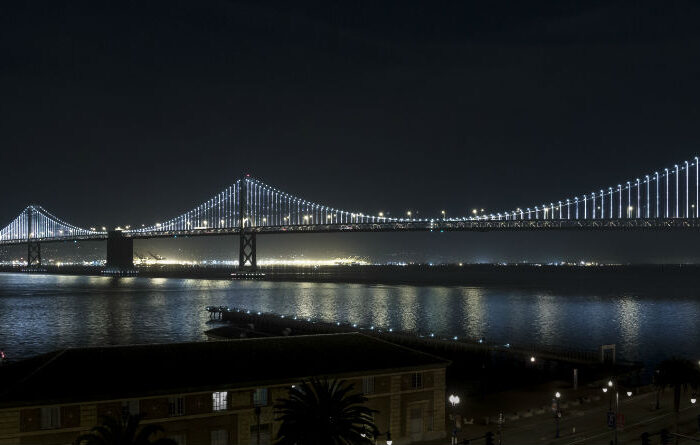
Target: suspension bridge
(662, 200)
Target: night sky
(129, 112)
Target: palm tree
(323, 412)
(677, 373)
(124, 431)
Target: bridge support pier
(33, 254)
(120, 254)
(247, 256)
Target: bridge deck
(660, 224)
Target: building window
(260, 397)
(130, 408)
(50, 417)
(264, 432)
(176, 406)
(368, 385)
(218, 437)
(417, 380)
(219, 400)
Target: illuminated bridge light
(249, 203)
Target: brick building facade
(217, 393)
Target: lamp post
(557, 412)
(614, 384)
(454, 401)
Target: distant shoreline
(630, 278)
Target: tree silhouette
(123, 431)
(323, 412)
(678, 374)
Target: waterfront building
(219, 392)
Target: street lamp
(610, 385)
(693, 399)
(454, 401)
(557, 413)
(615, 413)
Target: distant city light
(293, 262)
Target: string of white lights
(267, 206)
(35, 222)
(661, 195)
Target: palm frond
(324, 412)
(122, 431)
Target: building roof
(120, 372)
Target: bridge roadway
(448, 226)
(624, 224)
(120, 243)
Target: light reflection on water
(39, 313)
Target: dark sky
(128, 112)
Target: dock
(277, 324)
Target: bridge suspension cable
(638, 198)
(250, 203)
(37, 224)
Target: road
(587, 423)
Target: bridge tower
(33, 247)
(120, 252)
(247, 255)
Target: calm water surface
(40, 313)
